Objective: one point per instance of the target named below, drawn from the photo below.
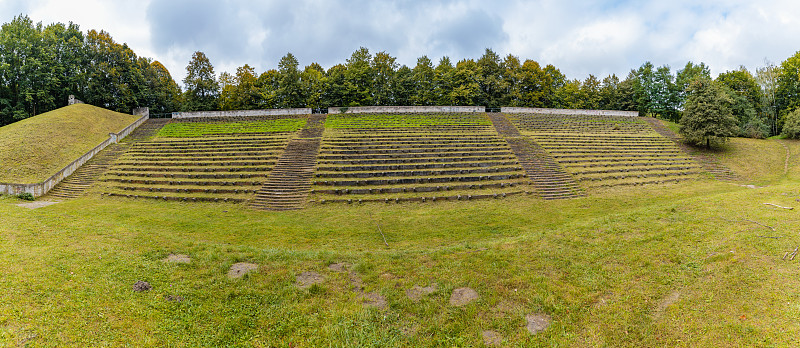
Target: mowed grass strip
(36, 148)
(198, 129)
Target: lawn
(690, 264)
(38, 147)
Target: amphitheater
(286, 159)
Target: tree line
(40, 66)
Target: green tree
(290, 93)
(443, 81)
(609, 94)
(313, 83)
(767, 78)
(423, 78)
(707, 118)
(745, 94)
(787, 92)
(383, 67)
(490, 79)
(202, 90)
(791, 128)
(359, 77)
(685, 76)
(532, 86)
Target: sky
(578, 37)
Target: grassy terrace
(198, 129)
(675, 265)
(191, 160)
(411, 156)
(36, 148)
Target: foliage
(707, 117)
(27, 196)
(791, 129)
(40, 66)
(202, 90)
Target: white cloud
(577, 37)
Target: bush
(791, 128)
(25, 196)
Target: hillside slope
(35, 148)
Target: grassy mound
(38, 147)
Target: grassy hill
(38, 147)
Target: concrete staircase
(76, 184)
(707, 162)
(289, 183)
(549, 179)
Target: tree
(707, 117)
(685, 76)
(202, 90)
(290, 93)
(532, 85)
(767, 78)
(359, 77)
(383, 67)
(745, 95)
(312, 82)
(791, 129)
(443, 81)
(423, 79)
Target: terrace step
(84, 177)
(289, 183)
(542, 169)
(707, 162)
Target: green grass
(339, 121)
(601, 266)
(36, 148)
(199, 129)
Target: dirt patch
(173, 298)
(463, 296)
(665, 302)
(603, 300)
(239, 269)
(339, 267)
(417, 292)
(537, 323)
(492, 338)
(356, 283)
(140, 286)
(178, 258)
(374, 299)
(36, 205)
(306, 279)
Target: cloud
(578, 37)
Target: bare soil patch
(417, 292)
(306, 279)
(537, 322)
(178, 258)
(463, 296)
(373, 299)
(492, 338)
(665, 302)
(339, 267)
(239, 269)
(140, 286)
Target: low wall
(518, 110)
(40, 189)
(403, 109)
(242, 113)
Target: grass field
(38, 147)
(689, 264)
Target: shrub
(25, 196)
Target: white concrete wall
(404, 109)
(242, 113)
(519, 110)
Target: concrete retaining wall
(40, 189)
(242, 113)
(518, 110)
(403, 109)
